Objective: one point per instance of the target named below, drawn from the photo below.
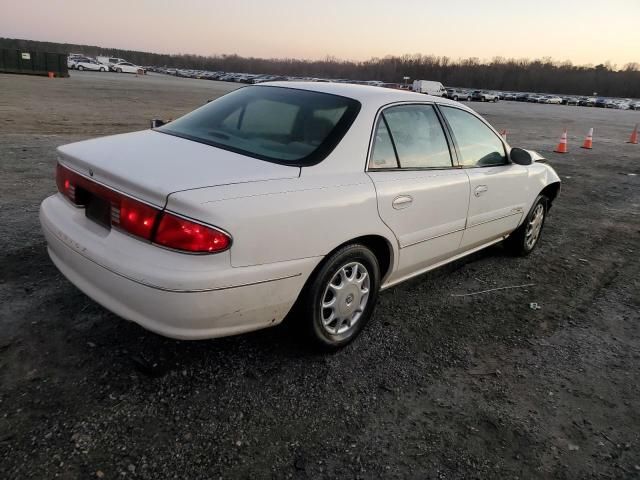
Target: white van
(429, 87)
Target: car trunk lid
(150, 165)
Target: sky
(581, 31)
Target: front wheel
(525, 238)
(119, 70)
(341, 297)
(80, 67)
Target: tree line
(539, 75)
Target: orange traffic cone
(562, 146)
(503, 134)
(634, 136)
(588, 141)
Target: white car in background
(89, 64)
(287, 197)
(552, 99)
(126, 67)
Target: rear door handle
(480, 189)
(402, 201)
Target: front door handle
(402, 201)
(480, 189)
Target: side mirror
(521, 156)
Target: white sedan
(89, 64)
(287, 197)
(126, 67)
(551, 99)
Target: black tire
(80, 67)
(468, 99)
(119, 70)
(314, 294)
(495, 100)
(519, 242)
(102, 69)
(455, 98)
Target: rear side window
(382, 154)
(284, 125)
(479, 146)
(417, 135)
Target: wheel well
(377, 244)
(380, 248)
(551, 192)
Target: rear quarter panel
(280, 220)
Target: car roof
(365, 94)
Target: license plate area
(97, 209)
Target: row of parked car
(80, 62)
(494, 96)
(458, 94)
(253, 78)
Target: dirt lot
(438, 386)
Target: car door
(498, 188)
(421, 196)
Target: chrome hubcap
(533, 227)
(345, 298)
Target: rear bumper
(219, 305)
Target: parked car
(620, 104)
(89, 64)
(570, 100)
(522, 97)
(126, 67)
(109, 61)
(551, 99)
(634, 105)
(510, 96)
(259, 204)
(601, 102)
(587, 102)
(459, 95)
(483, 96)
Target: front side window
(478, 145)
(418, 136)
(284, 125)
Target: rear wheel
(341, 297)
(455, 98)
(525, 238)
(119, 70)
(80, 67)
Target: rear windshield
(278, 124)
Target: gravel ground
(437, 386)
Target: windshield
(279, 124)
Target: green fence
(33, 63)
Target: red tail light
(142, 220)
(181, 234)
(134, 217)
(64, 180)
